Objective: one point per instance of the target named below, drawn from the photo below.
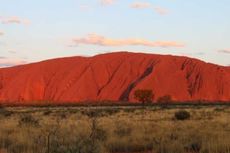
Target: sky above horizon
(32, 31)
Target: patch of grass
(122, 130)
(129, 110)
(109, 130)
(46, 113)
(63, 115)
(100, 112)
(28, 119)
(4, 112)
(219, 109)
(125, 147)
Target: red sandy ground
(114, 76)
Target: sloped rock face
(114, 76)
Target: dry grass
(114, 130)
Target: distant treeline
(112, 103)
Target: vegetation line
(112, 104)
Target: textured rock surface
(114, 76)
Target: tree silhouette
(144, 95)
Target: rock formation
(114, 76)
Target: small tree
(144, 95)
(164, 99)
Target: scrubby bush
(129, 110)
(100, 112)
(63, 115)
(122, 146)
(28, 119)
(97, 132)
(97, 136)
(193, 147)
(92, 113)
(4, 112)
(46, 113)
(122, 130)
(182, 115)
(112, 111)
(144, 95)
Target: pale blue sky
(34, 30)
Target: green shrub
(182, 115)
